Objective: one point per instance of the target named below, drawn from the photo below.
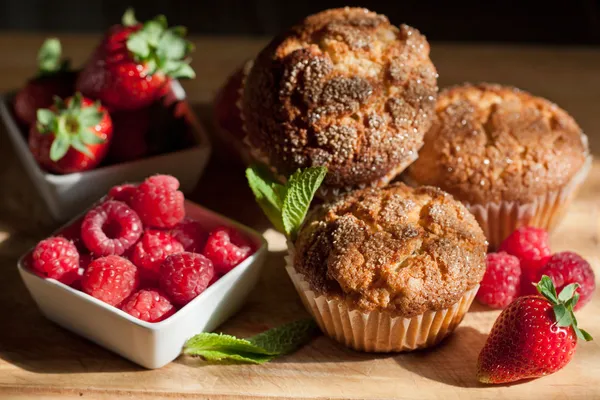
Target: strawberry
(534, 336)
(130, 140)
(53, 79)
(134, 62)
(72, 136)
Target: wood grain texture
(40, 360)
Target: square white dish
(151, 345)
(68, 195)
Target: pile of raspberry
(521, 261)
(137, 251)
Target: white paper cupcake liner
(377, 331)
(500, 219)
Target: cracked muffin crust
(492, 143)
(395, 249)
(343, 89)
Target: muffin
(227, 116)
(343, 89)
(512, 158)
(388, 269)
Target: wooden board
(40, 360)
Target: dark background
(534, 21)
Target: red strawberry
(53, 79)
(130, 135)
(134, 62)
(534, 336)
(73, 136)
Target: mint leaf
(49, 56)
(268, 194)
(301, 189)
(286, 338)
(257, 349)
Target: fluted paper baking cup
(500, 219)
(377, 331)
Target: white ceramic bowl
(151, 345)
(68, 195)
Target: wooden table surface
(40, 360)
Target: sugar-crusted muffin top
(497, 143)
(397, 249)
(343, 89)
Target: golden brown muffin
(396, 249)
(343, 89)
(494, 143)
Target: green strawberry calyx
(158, 47)
(563, 304)
(71, 124)
(49, 58)
(285, 205)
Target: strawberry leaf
(128, 18)
(582, 334)
(567, 292)
(171, 46)
(564, 317)
(138, 45)
(88, 137)
(45, 117)
(183, 71)
(78, 145)
(59, 147)
(49, 56)
(546, 288)
(90, 117)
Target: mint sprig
(563, 304)
(159, 47)
(285, 205)
(257, 349)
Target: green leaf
(152, 32)
(128, 18)
(88, 137)
(162, 21)
(59, 147)
(258, 349)
(567, 292)
(90, 117)
(138, 45)
(286, 338)
(582, 334)
(171, 46)
(75, 103)
(302, 187)
(546, 288)
(78, 145)
(268, 194)
(45, 117)
(49, 56)
(184, 71)
(179, 30)
(564, 317)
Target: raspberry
(191, 234)
(158, 202)
(566, 268)
(111, 228)
(73, 233)
(530, 246)
(184, 276)
(500, 284)
(149, 305)
(122, 192)
(56, 258)
(110, 279)
(226, 248)
(152, 250)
